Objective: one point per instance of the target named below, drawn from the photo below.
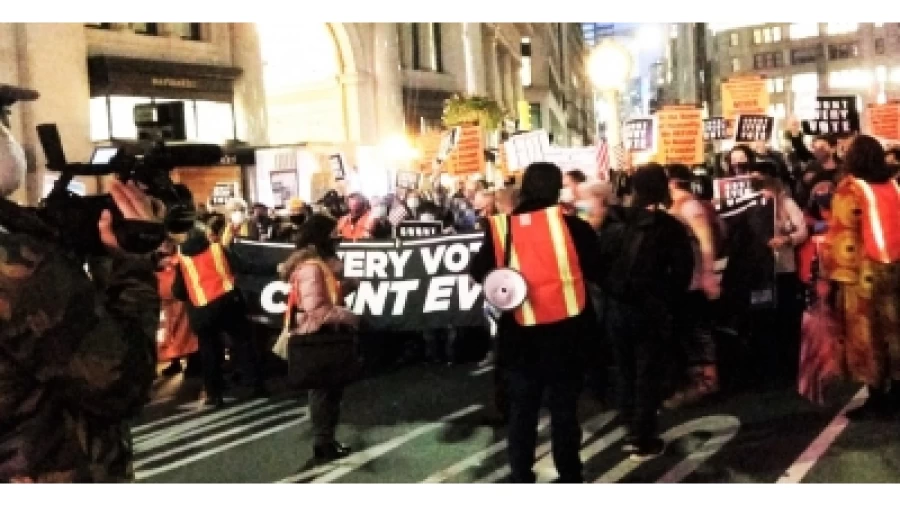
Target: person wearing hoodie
(541, 344)
(647, 264)
(205, 281)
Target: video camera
(75, 217)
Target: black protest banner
(749, 278)
(639, 135)
(403, 286)
(754, 127)
(413, 229)
(715, 129)
(834, 115)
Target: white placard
(525, 149)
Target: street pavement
(429, 423)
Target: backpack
(620, 245)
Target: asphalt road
(427, 423)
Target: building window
(805, 82)
(842, 51)
(776, 34)
(757, 36)
(535, 113)
(771, 60)
(804, 30)
(767, 35)
(776, 85)
(879, 25)
(841, 28)
(145, 28)
(879, 46)
(735, 39)
(421, 46)
(777, 110)
(735, 64)
(525, 72)
(187, 31)
(99, 26)
(805, 55)
(850, 79)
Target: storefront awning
(112, 75)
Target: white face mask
(12, 163)
(237, 217)
(412, 203)
(379, 212)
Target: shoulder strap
(507, 250)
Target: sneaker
(648, 450)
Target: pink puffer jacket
(315, 308)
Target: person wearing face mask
(358, 223)
(205, 281)
(77, 357)
(740, 160)
(862, 258)
(777, 333)
(382, 228)
(298, 213)
(238, 223)
(821, 162)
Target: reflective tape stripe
(195, 289)
(557, 234)
(875, 221)
(527, 310)
(221, 269)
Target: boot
(704, 382)
(330, 451)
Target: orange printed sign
(744, 96)
(428, 145)
(884, 121)
(681, 135)
(468, 157)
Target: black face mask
(740, 168)
(757, 184)
(298, 219)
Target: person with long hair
(315, 274)
(862, 257)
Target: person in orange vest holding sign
(205, 281)
(540, 343)
(358, 224)
(862, 255)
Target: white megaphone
(505, 289)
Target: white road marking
(478, 458)
(156, 439)
(483, 370)
(542, 452)
(826, 438)
(143, 429)
(689, 464)
(335, 470)
(143, 475)
(301, 414)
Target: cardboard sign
(681, 134)
(715, 129)
(640, 135)
(754, 127)
(223, 193)
(834, 115)
(284, 186)
(884, 121)
(744, 96)
(525, 149)
(567, 159)
(408, 180)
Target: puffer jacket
(315, 306)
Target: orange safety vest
(207, 276)
(881, 220)
(354, 232)
(544, 253)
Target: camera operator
(77, 352)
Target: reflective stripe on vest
(549, 264)
(208, 275)
(876, 221)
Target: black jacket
(555, 348)
(196, 244)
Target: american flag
(620, 157)
(602, 159)
(397, 214)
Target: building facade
(803, 60)
(326, 86)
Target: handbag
(329, 358)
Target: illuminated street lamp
(609, 67)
